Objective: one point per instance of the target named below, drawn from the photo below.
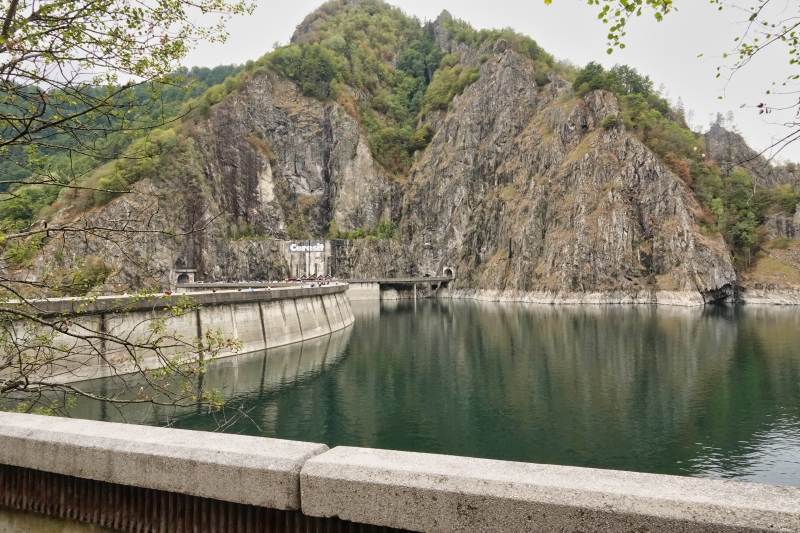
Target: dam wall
(364, 291)
(220, 323)
(62, 474)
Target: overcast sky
(568, 29)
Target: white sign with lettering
(311, 247)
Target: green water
(712, 392)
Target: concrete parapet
(427, 492)
(130, 303)
(410, 491)
(235, 468)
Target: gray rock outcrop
(523, 189)
(730, 150)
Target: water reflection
(710, 392)
(240, 379)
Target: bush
(312, 66)
(297, 228)
(446, 84)
(384, 230)
(679, 167)
(20, 252)
(91, 273)
(610, 122)
(111, 185)
(785, 198)
(422, 137)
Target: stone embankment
(160, 479)
(676, 298)
(745, 295)
(238, 321)
(784, 296)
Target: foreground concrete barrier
(234, 468)
(236, 483)
(428, 492)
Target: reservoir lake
(710, 392)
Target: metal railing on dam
(254, 319)
(408, 280)
(385, 288)
(58, 472)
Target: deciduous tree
(767, 25)
(72, 73)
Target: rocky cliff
(526, 190)
(266, 163)
(526, 194)
(730, 150)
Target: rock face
(526, 194)
(782, 226)
(266, 163)
(274, 158)
(729, 149)
(522, 192)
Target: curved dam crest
(252, 320)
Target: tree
(768, 25)
(72, 74)
(69, 69)
(312, 66)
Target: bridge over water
(394, 288)
(403, 281)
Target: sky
(666, 51)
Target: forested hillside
(437, 144)
(69, 159)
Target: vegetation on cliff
(128, 151)
(388, 72)
(462, 32)
(374, 60)
(448, 81)
(734, 203)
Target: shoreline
(778, 297)
(782, 297)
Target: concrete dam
(112, 335)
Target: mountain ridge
(491, 163)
